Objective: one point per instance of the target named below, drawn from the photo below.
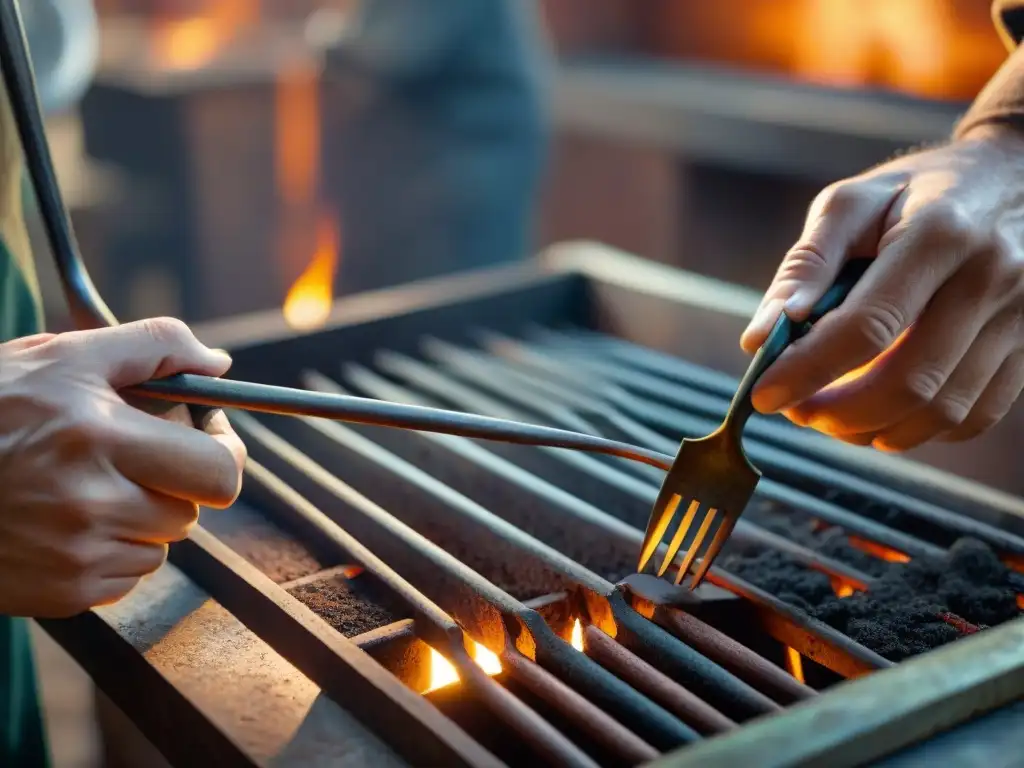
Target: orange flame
(443, 672)
(308, 302)
(879, 550)
(795, 663)
(841, 588)
(576, 638)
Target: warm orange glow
(194, 42)
(186, 44)
(308, 302)
(443, 673)
(1020, 602)
(795, 663)
(576, 638)
(931, 48)
(879, 551)
(842, 589)
(297, 132)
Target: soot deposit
(901, 614)
(351, 606)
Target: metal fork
(714, 472)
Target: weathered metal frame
(596, 287)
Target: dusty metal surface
(483, 495)
(850, 726)
(224, 693)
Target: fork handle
(784, 333)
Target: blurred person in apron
(445, 139)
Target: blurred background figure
(443, 153)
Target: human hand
(931, 336)
(92, 489)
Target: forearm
(1001, 101)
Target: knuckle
(947, 221)
(878, 324)
(950, 410)
(838, 198)
(166, 330)
(921, 386)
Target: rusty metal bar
(519, 496)
(486, 612)
(328, 659)
(441, 385)
(633, 503)
(440, 631)
(797, 456)
(659, 687)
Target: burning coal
(912, 606)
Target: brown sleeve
(1002, 98)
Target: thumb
(840, 224)
(132, 353)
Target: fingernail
(761, 323)
(771, 399)
(221, 354)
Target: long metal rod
(264, 398)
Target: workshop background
(239, 155)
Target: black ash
(902, 613)
(351, 606)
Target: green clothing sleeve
(22, 739)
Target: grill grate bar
(814, 639)
(323, 655)
(475, 471)
(489, 614)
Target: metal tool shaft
(244, 395)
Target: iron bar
(486, 612)
(323, 655)
(432, 624)
(814, 639)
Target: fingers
(136, 352)
(177, 460)
(889, 298)
(840, 222)
(26, 342)
(912, 375)
(131, 560)
(956, 399)
(147, 517)
(994, 403)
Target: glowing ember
(1020, 602)
(880, 551)
(308, 302)
(795, 663)
(842, 589)
(443, 673)
(576, 638)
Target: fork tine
(680, 537)
(721, 536)
(661, 515)
(695, 545)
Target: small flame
(576, 638)
(795, 663)
(880, 551)
(842, 589)
(443, 672)
(308, 302)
